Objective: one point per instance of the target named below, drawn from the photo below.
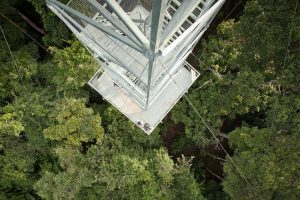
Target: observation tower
(142, 47)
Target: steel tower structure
(142, 46)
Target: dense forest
(60, 140)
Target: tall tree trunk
(33, 25)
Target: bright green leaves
(235, 96)
(69, 70)
(163, 166)
(185, 186)
(122, 172)
(13, 77)
(57, 31)
(123, 134)
(73, 67)
(74, 123)
(284, 114)
(67, 184)
(17, 162)
(9, 126)
(220, 53)
(268, 160)
(268, 157)
(101, 173)
(10, 121)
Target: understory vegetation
(60, 140)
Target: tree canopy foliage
(60, 140)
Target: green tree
(10, 121)
(15, 37)
(267, 156)
(223, 91)
(17, 164)
(69, 70)
(57, 31)
(71, 121)
(123, 134)
(67, 184)
(13, 77)
(269, 161)
(104, 173)
(284, 115)
(185, 185)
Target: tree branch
(33, 25)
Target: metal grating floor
(171, 93)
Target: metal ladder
(171, 10)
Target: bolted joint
(150, 55)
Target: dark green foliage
(103, 173)
(185, 185)
(57, 32)
(123, 133)
(214, 191)
(284, 115)
(16, 38)
(59, 141)
(269, 161)
(268, 156)
(253, 66)
(13, 77)
(73, 123)
(71, 67)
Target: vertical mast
(142, 47)
(156, 25)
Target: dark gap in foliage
(255, 119)
(94, 96)
(27, 9)
(87, 145)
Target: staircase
(173, 7)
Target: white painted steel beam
(113, 20)
(88, 40)
(84, 35)
(128, 22)
(156, 25)
(202, 21)
(192, 39)
(181, 14)
(105, 29)
(143, 76)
